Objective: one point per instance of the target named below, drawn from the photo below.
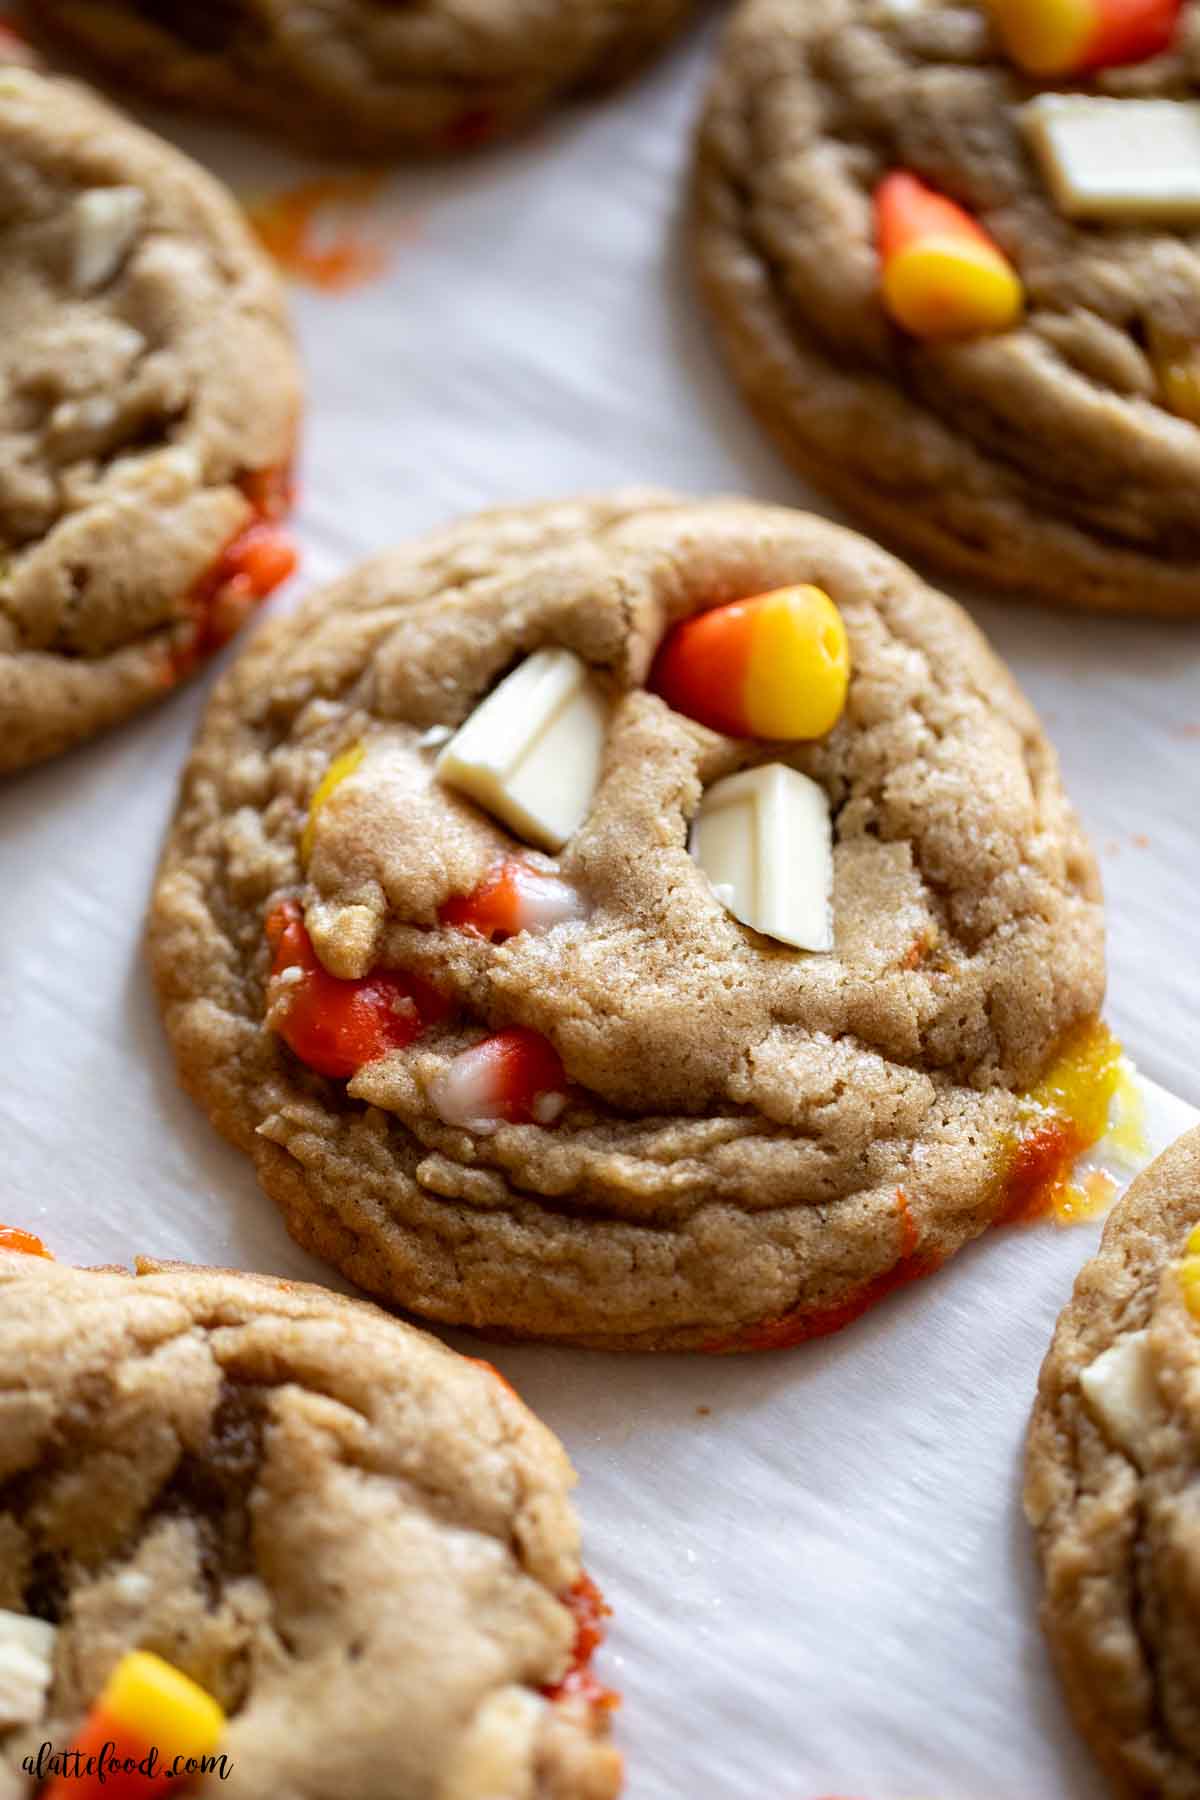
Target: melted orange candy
(491, 910)
(286, 225)
(590, 1609)
(337, 1026)
(1089, 1199)
(803, 1324)
(252, 564)
(1065, 1114)
(13, 1238)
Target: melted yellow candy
(1064, 1115)
(342, 765)
(1188, 1272)
(1127, 1133)
(1046, 37)
(1082, 1079)
(1189, 1280)
(1088, 1199)
(1177, 365)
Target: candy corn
(13, 1238)
(943, 277)
(1069, 37)
(513, 897)
(774, 666)
(343, 764)
(1189, 1272)
(336, 1026)
(514, 1077)
(148, 1722)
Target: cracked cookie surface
(1043, 458)
(750, 1129)
(334, 1524)
(1111, 1493)
(368, 76)
(134, 452)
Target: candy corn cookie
(1110, 1487)
(367, 76)
(952, 250)
(634, 922)
(259, 1539)
(149, 398)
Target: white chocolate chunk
(1133, 161)
(530, 753)
(26, 1663)
(765, 840)
(1119, 1389)
(105, 222)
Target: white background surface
(822, 1585)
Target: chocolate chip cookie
(1110, 1487)
(493, 960)
(332, 1524)
(1052, 445)
(149, 396)
(367, 76)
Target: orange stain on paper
(315, 233)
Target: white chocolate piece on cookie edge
(1120, 1392)
(26, 1663)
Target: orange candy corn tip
(774, 666)
(1068, 37)
(942, 275)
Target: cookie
(368, 77)
(1053, 446)
(574, 1096)
(143, 472)
(1110, 1487)
(325, 1519)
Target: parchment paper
(820, 1576)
